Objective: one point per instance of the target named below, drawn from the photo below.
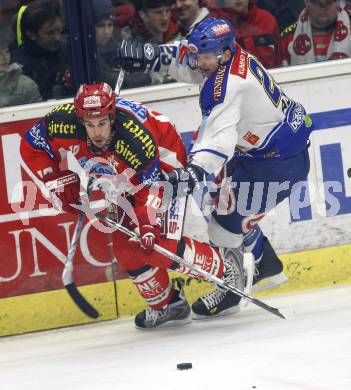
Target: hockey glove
(186, 180)
(64, 190)
(135, 56)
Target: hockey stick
(113, 268)
(67, 274)
(180, 260)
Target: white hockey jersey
(245, 114)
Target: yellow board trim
(54, 309)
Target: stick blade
(81, 302)
(271, 309)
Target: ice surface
(311, 350)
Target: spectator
(188, 13)
(107, 40)
(124, 12)
(322, 32)
(41, 50)
(347, 6)
(257, 30)
(15, 88)
(285, 12)
(152, 23)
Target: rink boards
(313, 237)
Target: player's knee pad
(153, 284)
(222, 237)
(201, 255)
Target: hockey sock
(202, 255)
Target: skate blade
(270, 282)
(227, 312)
(168, 324)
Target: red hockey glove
(149, 236)
(64, 189)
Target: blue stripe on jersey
(215, 152)
(214, 90)
(36, 137)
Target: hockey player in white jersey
(250, 131)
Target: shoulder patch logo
(251, 138)
(239, 65)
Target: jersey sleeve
(174, 59)
(217, 136)
(170, 144)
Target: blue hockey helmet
(212, 35)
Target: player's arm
(135, 56)
(37, 153)
(215, 145)
(170, 144)
(147, 207)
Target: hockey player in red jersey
(112, 135)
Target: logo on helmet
(107, 89)
(221, 29)
(92, 101)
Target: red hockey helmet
(95, 101)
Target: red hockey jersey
(143, 140)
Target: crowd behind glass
(34, 45)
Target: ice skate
(220, 301)
(177, 312)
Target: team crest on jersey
(302, 44)
(340, 31)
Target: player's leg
(229, 230)
(268, 267)
(220, 302)
(165, 303)
(149, 275)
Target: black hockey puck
(349, 172)
(184, 366)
